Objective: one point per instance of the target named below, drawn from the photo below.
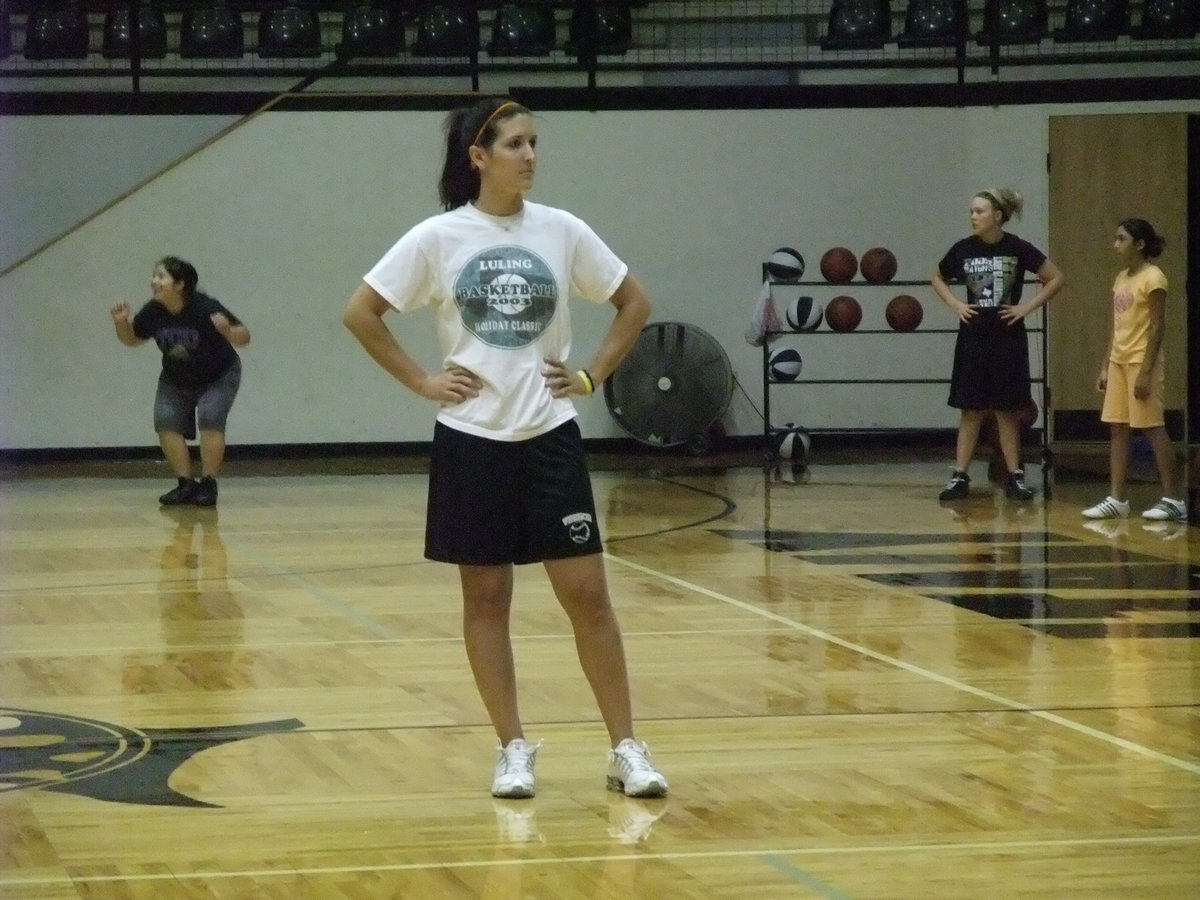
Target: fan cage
(675, 383)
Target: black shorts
(991, 364)
(499, 502)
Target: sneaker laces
(517, 758)
(956, 479)
(634, 757)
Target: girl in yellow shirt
(1131, 375)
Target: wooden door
(1104, 169)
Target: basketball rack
(770, 432)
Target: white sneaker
(629, 770)
(1167, 510)
(514, 769)
(1108, 508)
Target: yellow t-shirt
(1131, 312)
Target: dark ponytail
(1141, 230)
(464, 128)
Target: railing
(785, 41)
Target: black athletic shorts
(991, 364)
(497, 502)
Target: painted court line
(945, 680)
(331, 600)
(798, 875)
(644, 856)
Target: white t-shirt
(498, 287)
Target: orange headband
(488, 121)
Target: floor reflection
(201, 620)
(1051, 582)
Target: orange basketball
(879, 265)
(843, 313)
(904, 312)
(839, 265)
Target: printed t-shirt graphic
(990, 279)
(506, 296)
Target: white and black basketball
(784, 364)
(804, 314)
(786, 264)
(792, 444)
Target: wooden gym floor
(855, 692)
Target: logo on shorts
(579, 527)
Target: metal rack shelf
(833, 288)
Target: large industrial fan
(673, 385)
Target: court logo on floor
(91, 758)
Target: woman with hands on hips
(991, 352)
(508, 481)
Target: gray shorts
(179, 409)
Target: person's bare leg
(581, 586)
(212, 452)
(1164, 459)
(1008, 427)
(175, 449)
(968, 437)
(1118, 459)
(487, 603)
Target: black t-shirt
(993, 273)
(194, 353)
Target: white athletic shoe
(629, 770)
(1167, 510)
(1108, 508)
(514, 769)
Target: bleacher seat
(1094, 20)
(609, 27)
(1167, 19)
(372, 29)
(1014, 22)
(447, 29)
(933, 23)
(289, 32)
(57, 30)
(118, 40)
(858, 25)
(213, 31)
(523, 29)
